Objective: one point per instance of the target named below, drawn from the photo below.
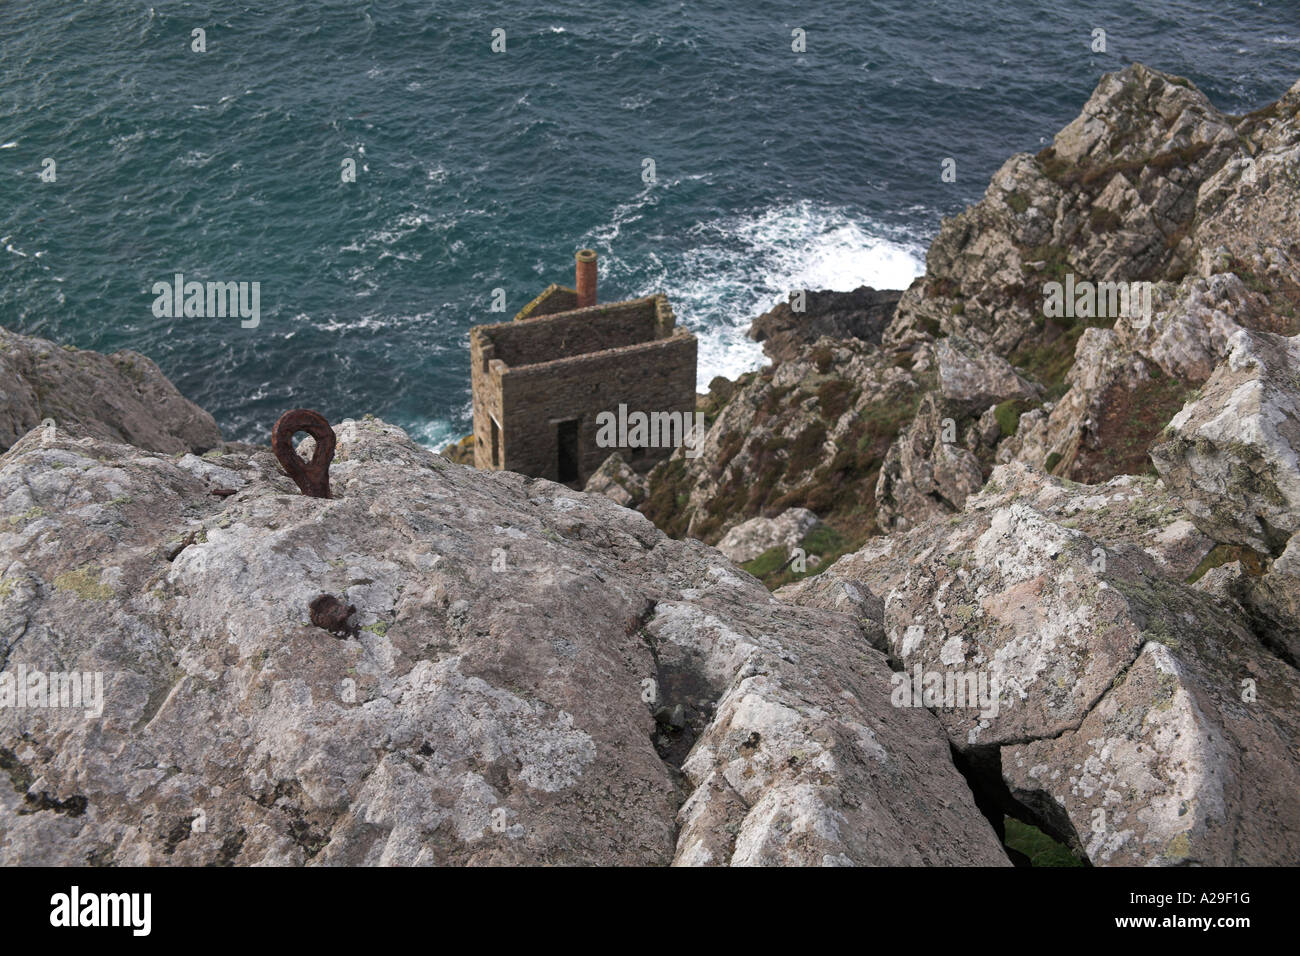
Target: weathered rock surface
(529, 668)
(860, 314)
(120, 397)
(749, 539)
(617, 481)
(810, 433)
(979, 378)
(1234, 452)
(1137, 718)
(926, 471)
(1188, 332)
(1150, 184)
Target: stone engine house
(540, 381)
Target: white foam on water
(436, 434)
(739, 267)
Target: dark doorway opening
(566, 439)
(496, 443)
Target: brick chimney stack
(586, 268)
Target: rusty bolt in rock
(330, 614)
(311, 477)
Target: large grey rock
(535, 676)
(120, 397)
(747, 540)
(1136, 717)
(1234, 452)
(972, 375)
(927, 470)
(617, 481)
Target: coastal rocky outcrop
(927, 471)
(1145, 631)
(1113, 198)
(1048, 570)
(531, 675)
(120, 397)
(1165, 214)
(811, 432)
(931, 468)
(617, 481)
(1135, 718)
(860, 314)
(1151, 184)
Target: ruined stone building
(541, 380)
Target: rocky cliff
(1147, 621)
(1150, 190)
(1032, 565)
(534, 676)
(1142, 721)
(119, 397)
(861, 314)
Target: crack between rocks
(739, 796)
(4, 662)
(1267, 644)
(970, 773)
(1087, 711)
(637, 626)
(943, 501)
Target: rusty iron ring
(311, 477)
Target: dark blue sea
(476, 170)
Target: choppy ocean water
(477, 170)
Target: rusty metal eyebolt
(311, 477)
